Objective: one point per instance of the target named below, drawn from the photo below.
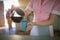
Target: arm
(29, 8)
(51, 20)
(27, 12)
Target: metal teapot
(17, 15)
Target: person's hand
(29, 26)
(26, 13)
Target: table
(23, 37)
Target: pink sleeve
(56, 9)
(57, 5)
(30, 5)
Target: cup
(23, 25)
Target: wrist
(34, 23)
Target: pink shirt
(42, 12)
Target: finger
(27, 29)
